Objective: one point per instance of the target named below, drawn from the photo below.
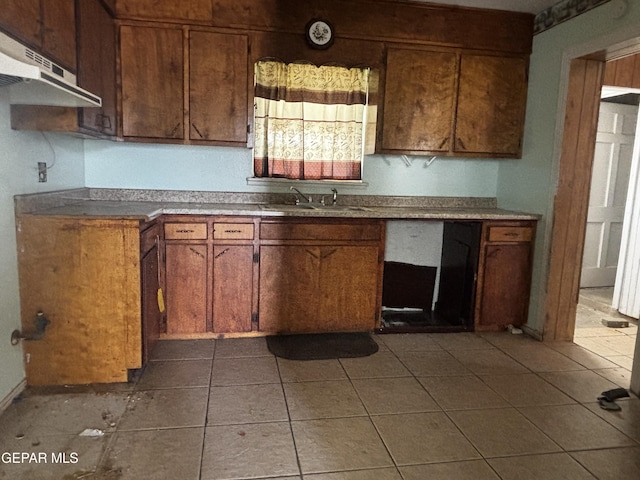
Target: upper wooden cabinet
(218, 87)
(419, 100)
(492, 96)
(47, 26)
(151, 68)
(452, 104)
(96, 73)
(153, 82)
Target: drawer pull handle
(233, 231)
(185, 231)
(511, 234)
(222, 253)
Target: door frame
(579, 98)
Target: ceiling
(530, 6)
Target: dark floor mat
(322, 346)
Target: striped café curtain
(309, 120)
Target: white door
(609, 182)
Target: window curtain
(309, 120)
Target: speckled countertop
(149, 204)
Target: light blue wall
(530, 183)
(175, 167)
(19, 153)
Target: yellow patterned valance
(309, 120)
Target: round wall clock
(319, 33)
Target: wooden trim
(572, 198)
(8, 400)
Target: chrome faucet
(308, 199)
(335, 196)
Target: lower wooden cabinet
(320, 276)
(504, 275)
(232, 288)
(150, 272)
(84, 275)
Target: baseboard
(6, 401)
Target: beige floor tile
(440, 363)
(526, 389)
(624, 345)
(394, 395)
(423, 438)
(613, 464)
(330, 399)
(582, 386)
(52, 451)
(462, 341)
(34, 417)
(377, 474)
(574, 427)
(624, 361)
(469, 470)
(381, 364)
(183, 349)
(593, 344)
(175, 407)
(337, 444)
(174, 374)
(506, 339)
(410, 342)
(540, 358)
(579, 354)
(247, 404)
(596, 332)
(244, 371)
(311, 370)
(462, 393)
(626, 420)
(242, 347)
(248, 451)
(553, 466)
(488, 362)
(502, 432)
(620, 376)
(153, 454)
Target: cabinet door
(348, 288)
(506, 281)
(419, 100)
(170, 10)
(289, 289)
(491, 105)
(59, 31)
(152, 82)
(232, 288)
(151, 315)
(186, 281)
(218, 87)
(97, 65)
(22, 19)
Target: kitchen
(524, 184)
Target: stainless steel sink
(312, 206)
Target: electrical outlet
(42, 172)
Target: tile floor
(425, 406)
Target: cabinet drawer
(185, 231)
(237, 231)
(311, 231)
(510, 234)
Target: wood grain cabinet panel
(218, 79)
(150, 266)
(419, 100)
(47, 26)
(491, 105)
(197, 10)
(152, 82)
(232, 288)
(85, 276)
(186, 280)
